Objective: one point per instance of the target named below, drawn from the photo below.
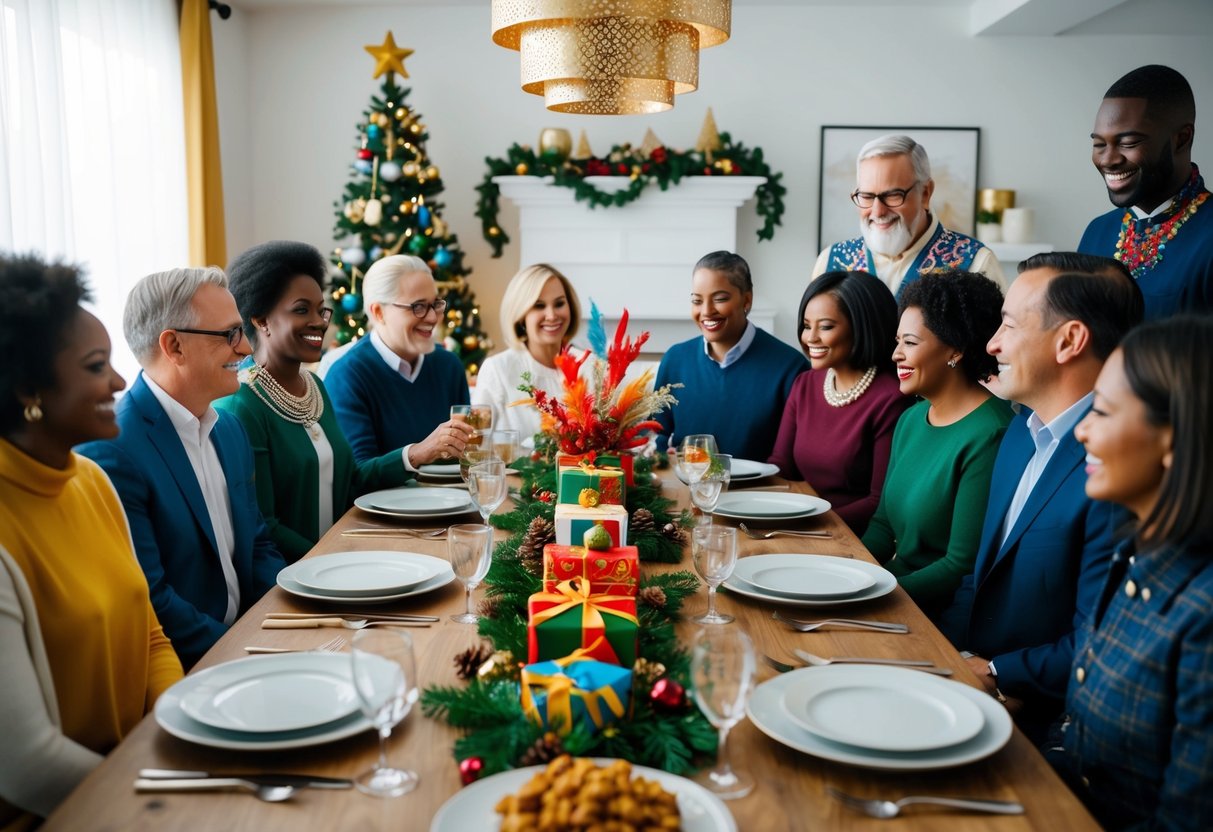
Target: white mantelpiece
(639, 255)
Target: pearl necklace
(836, 399)
(303, 410)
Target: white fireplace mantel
(639, 255)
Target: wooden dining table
(790, 792)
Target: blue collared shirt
(738, 349)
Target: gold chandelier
(610, 57)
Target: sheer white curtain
(92, 159)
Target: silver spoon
(885, 809)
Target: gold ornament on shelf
(650, 143)
(709, 137)
(610, 57)
(521, 169)
(555, 143)
(388, 57)
(583, 149)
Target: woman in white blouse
(539, 316)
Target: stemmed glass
(714, 552)
(694, 457)
(705, 494)
(505, 443)
(486, 484)
(385, 679)
(722, 672)
(469, 547)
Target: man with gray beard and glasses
(901, 239)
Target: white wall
(293, 84)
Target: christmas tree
(390, 207)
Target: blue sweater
(741, 405)
(379, 411)
(1183, 280)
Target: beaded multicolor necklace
(1142, 250)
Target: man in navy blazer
(1045, 546)
(183, 470)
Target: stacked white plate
(889, 718)
(417, 503)
(440, 470)
(365, 577)
(472, 806)
(769, 505)
(809, 580)
(265, 703)
(747, 469)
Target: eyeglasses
(232, 335)
(894, 198)
(421, 308)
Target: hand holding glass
(714, 553)
(470, 550)
(486, 484)
(722, 672)
(385, 679)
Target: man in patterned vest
(902, 239)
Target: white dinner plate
(439, 470)
(769, 505)
(885, 582)
(288, 583)
(472, 807)
(355, 574)
(175, 721)
(810, 578)
(417, 502)
(883, 708)
(766, 710)
(748, 469)
(291, 694)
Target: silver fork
(848, 623)
(333, 645)
(349, 624)
(885, 809)
(425, 534)
(814, 660)
(767, 535)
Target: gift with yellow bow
(575, 690)
(572, 618)
(612, 571)
(589, 485)
(623, 461)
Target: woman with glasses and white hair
(393, 388)
(540, 314)
(306, 473)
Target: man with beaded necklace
(1162, 226)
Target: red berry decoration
(470, 769)
(365, 154)
(667, 695)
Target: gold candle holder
(555, 144)
(995, 200)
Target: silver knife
(374, 616)
(299, 781)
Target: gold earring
(33, 411)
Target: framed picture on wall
(953, 152)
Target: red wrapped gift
(623, 461)
(614, 571)
(571, 618)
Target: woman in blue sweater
(736, 378)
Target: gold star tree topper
(388, 56)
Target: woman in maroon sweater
(838, 423)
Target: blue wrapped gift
(575, 691)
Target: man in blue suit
(183, 470)
(1045, 546)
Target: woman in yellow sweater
(84, 657)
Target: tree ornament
(362, 166)
(354, 256)
(709, 137)
(374, 213)
(545, 749)
(443, 257)
(468, 662)
(521, 169)
(470, 770)
(652, 596)
(500, 665)
(423, 216)
(410, 169)
(390, 171)
(365, 153)
(401, 113)
(645, 673)
(432, 172)
(382, 120)
(342, 337)
(471, 342)
(583, 151)
(376, 252)
(373, 131)
(355, 209)
(416, 127)
(417, 243)
(642, 521)
(388, 57)
(668, 695)
(352, 303)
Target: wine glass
(469, 547)
(486, 484)
(722, 673)
(705, 494)
(714, 553)
(505, 443)
(693, 459)
(472, 455)
(385, 679)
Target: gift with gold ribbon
(572, 522)
(589, 485)
(575, 690)
(572, 618)
(623, 462)
(613, 571)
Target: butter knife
(299, 781)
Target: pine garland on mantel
(660, 165)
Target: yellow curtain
(204, 174)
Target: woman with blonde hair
(540, 314)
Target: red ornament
(547, 497)
(707, 171)
(658, 155)
(623, 169)
(365, 154)
(667, 695)
(470, 770)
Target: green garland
(662, 166)
(489, 709)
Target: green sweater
(934, 500)
(288, 471)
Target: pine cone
(489, 606)
(538, 534)
(654, 596)
(546, 748)
(469, 661)
(642, 521)
(671, 532)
